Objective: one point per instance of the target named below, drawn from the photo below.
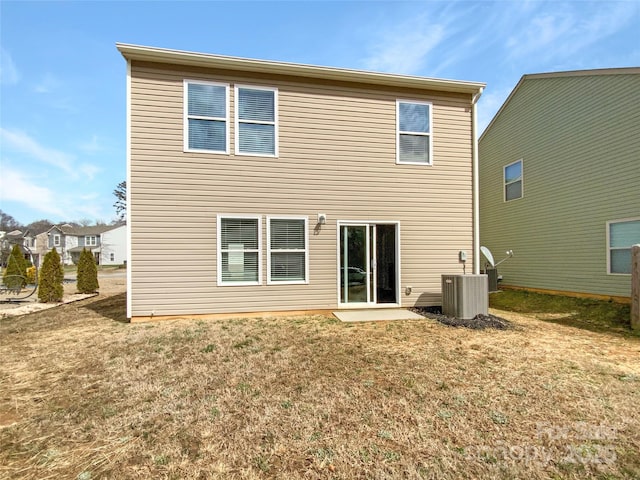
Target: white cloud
(21, 142)
(47, 84)
(8, 72)
(89, 170)
(16, 187)
(404, 50)
(567, 29)
(91, 146)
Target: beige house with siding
(560, 182)
(258, 186)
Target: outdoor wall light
(322, 219)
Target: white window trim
(608, 235)
(186, 117)
(504, 181)
(220, 282)
(88, 243)
(306, 251)
(274, 123)
(399, 133)
(56, 240)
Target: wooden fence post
(635, 287)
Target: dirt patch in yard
(85, 395)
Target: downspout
(476, 181)
(128, 193)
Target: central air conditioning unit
(465, 296)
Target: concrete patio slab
(376, 315)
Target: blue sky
(62, 81)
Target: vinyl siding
(336, 156)
(578, 137)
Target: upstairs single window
(206, 116)
(621, 236)
(90, 240)
(413, 132)
(56, 240)
(513, 181)
(256, 121)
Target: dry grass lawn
(84, 395)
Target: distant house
(113, 246)
(266, 186)
(560, 181)
(106, 242)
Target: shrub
(16, 273)
(51, 277)
(87, 273)
(31, 274)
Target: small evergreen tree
(51, 277)
(87, 273)
(16, 273)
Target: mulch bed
(479, 322)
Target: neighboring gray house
(560, 181)
(113, 246)
(106, 242)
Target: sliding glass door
(368, 267)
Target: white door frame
(368, 224)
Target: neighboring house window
(56, 240)
(256, 121)
(621, 236)
(91, 241)
(413, 132)
(239, 250)
(513, 181)
(112, 257)
(287, 250)
(206, 116)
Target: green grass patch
(588, 314)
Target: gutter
(476, 182)
(194, 59)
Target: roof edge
(585, 73)
(568, 73)
(181, 57)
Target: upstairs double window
(207, 119)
